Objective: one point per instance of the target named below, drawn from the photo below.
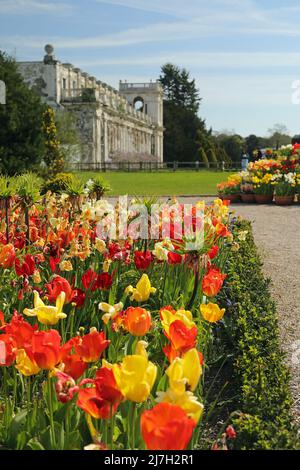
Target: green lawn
(161, 184)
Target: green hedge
(262, 379)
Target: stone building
(124, 125)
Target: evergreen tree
(21, 137)
(53, 156)
(203, 157)
(212, 158)
(184, 128)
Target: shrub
(262, 379)
(58, 183)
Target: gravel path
(277, 235)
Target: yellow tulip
(185, 400)
(66, 265)
(142, 291)
(136, 375)
(25, 365)
(167, 318)
(212, 312)
(47, 315)
(100, 245)
(184, 372)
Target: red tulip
(89, 279)
(78, 297)
(92, 403)
(56, 286)
(104, 281)
(45, 348)
(103, 398)
(27, 268)
(20, 330)
(212, 282)
(166, 427)
(91, 346)
(106, 386)
(213, 252)
(174, 258)
(142, 259)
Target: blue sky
(244, 54)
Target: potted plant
(285, 189)
(229, 190)
(263, 188)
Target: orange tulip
(182, 338)
(137, 321)
(213, 282)
(166, 427)
(7, 256)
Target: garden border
(264, 421)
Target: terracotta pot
(263, 198)
(232, 197)
(249, 198)
(284, 200)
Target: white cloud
(204, 60)
(29, 7)
(187, 8)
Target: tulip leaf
(34, 444)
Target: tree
(181, 121)
(179, 88)
(68, 136)
(279, 135)
(53, 156)
(21, 137)
(203, 157)
(232, 144)
(252, 143)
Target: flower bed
(265, 180)
(104, 342)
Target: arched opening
(139, 104)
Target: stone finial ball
(49, 49)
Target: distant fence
(152, 166)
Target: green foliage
(181, 121)
(97, 187)
(203, 157)
(262, 377)
(232, 144)
(21, 137)
(6, 186)
(53, 156)
(57, 184)
(179, 88)
(212, 157)
(28, 187)
(67, 135)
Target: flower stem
(50, 406)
